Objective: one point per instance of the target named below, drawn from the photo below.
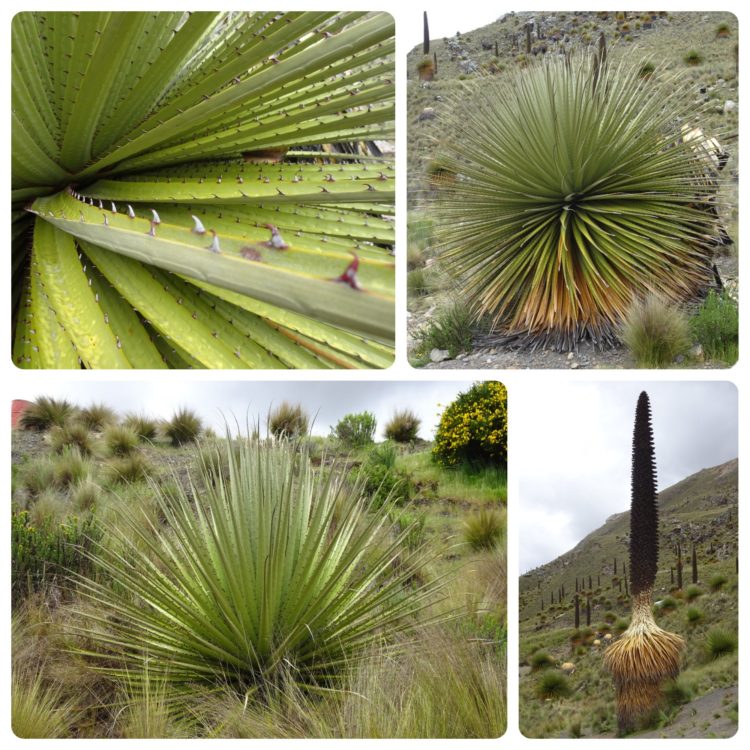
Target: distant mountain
(701, 509)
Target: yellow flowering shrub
(473, 430)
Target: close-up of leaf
(211, 190)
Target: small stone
(428, 113)
(696, 352)
(729, 106)
(570, 355)
(439, 355)
(574, 366)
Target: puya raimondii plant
(570, 192)
(274, 572)
(645, 655)
(202, 189)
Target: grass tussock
(288, 421)
(120, 440)
(126, 469)
(485, 529)
(146, 428)
(97, 416)
(183, 428)
(451, 328)
(655, 332)
(403, 426)
(45, 413)
(73, 435)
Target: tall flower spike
(645, 655)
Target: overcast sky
(326, 401)
(572, 451)
(446, 20)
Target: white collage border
(521, 384)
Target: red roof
(17, 408)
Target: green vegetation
(356, 430)
(288, 421)
(716, 327)
(73, 435)
(473, 429)
(720, 643)
(46, 412)
(143, 201)
(693, 58)
(183, 428)
(484, 530)
(144, 427)
(360, 617)
(541, 660)
(450, 328)
(120, 440)
(655, 332)
(553, 685)
(96, 416)
(403, 427)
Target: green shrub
(288, 421)
(621, 625)
(412, 528)
(96, 416)
(677, 692)
(484, 530)
(299, 603)
(717, 581)
(126, 469)
(185, 427)
(355, 430)
(720, 643)
(693, 615)
(693, 58)
(692, 592)
(546, 250)
(716, 327)
(70, 468)
(73, 435)
(120, 440)
(723, 30)
(450, 328)
(382, 483)
(145, 427)
(383, 454)
(416, 282)
(46, 412)
(655, 332)
(473, 429)
(553, 685)
(48, 552)
(403, 426)
(541, 660)
(667, 604)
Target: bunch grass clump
(126, 469)
(145, 427)
(553, 685)
(183, 428)
(37, 710)
(590, 200)
(541, 660)
(120, 440)
(70, 468)
(97, 416)
(46, 412)
(288, 421)
(693, 57)
(655, 332)
(73, 435)
(451, 328)
(720, 642)
(403, 426)
(484, 530)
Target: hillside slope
(700, 513)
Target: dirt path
(706, 717)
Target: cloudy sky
(572, 446)
(446, 20)
(327, 402)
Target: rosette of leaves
(202, 189)
(568, 193)
(645, 656)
